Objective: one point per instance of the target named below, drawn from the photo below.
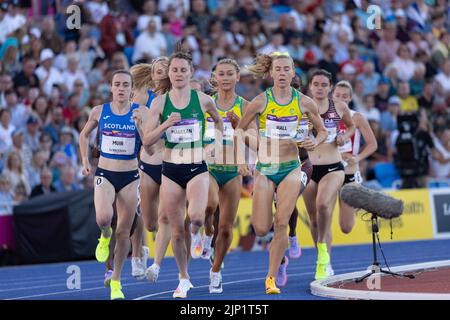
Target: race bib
(119, 143)
(184, 131)
(303, 178)
(347, 147)
(228, 131)
(332, 132)
(358, 177)
(281, 128)
(302, 131)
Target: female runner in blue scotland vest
(117, 175)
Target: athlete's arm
(251, 136)
(207, 104)
(153, 131)
(90, 125)
(139, 115)
(312, 111)
(371, 142)
(344, 113)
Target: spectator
(443, 80)
(200, 17)
(15, 172)
(328, 63)
(46, 185)
(441, 50)
(9, 56)
(269, 15)
(440, 161)
(286, 27)
(72, 110)
(248, 11)
(295, 48)
(6, 196)
(387, 47)
(6, 84)
(258, 36)
(32, 133)
(275, 45)
(368, 108)
(408, 103)
(41, 108)
(56, 124)
(235, 39)
(98, 10)
(27, 77)
(34, 170)
(115, 31)
(73, 73)
(98, 71)
(298, 10)
(46, 144)
(150, 13)
(50, 37)
(417, 82)
(354, 59)
(150, 44)
(19, 111)
(382, 95)
(348, 73)
(171, 40)
(388, 119)
(6, 128)
(369, 78)
(417, 42)
(87, 52)
(402, 26)
(403, 63)
(67, 180)
(20, 147)
(341, 45)
(179, 7)
(426, 100)
(5, 27)
(119, 62)
(66, 144)
(48, 75)
(61, 60)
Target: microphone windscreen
(371, 201)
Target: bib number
(185, 131)
(118, 143)
(281, 128)
(302, 131)
(332, 132)
(303, 178)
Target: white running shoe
(330, 271)
(190, 283)
(152, 272)
(196, 245)
(138, 265)
(215, 282)
(182, 289)
(206, 243)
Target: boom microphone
(371, 201)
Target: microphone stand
(376, 265)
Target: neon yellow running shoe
(271, 287)
(102, 250)
(323, 260)
(116, 290)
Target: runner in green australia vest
(280, 110)
(179, 114)
(225, 182)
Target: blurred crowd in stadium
(50, 76)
